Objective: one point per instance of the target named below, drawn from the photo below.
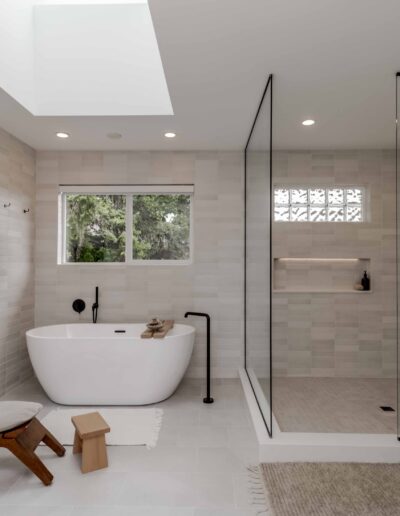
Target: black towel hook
(7, 205)
(27, 210)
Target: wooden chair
(21, 433)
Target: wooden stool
(90, 440)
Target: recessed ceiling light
(308, 122)
(114, 136)
(170, 135)
(62, 135)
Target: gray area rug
(332, 489)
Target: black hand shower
(95, 306)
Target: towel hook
(7, 205)
(27, 210)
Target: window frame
(364, 204)
(128, 191)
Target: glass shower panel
(398, 243)
(258, 255)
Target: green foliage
(161, 227)
(96, 227)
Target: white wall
(17, 51)
(213, 283)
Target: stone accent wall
(17, 186)
(213, 283)
(332, 334)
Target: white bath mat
(129, 426)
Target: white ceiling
(332, 60)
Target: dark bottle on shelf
(365, 281)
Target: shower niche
(324, 275)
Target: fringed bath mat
(129, 426)
(332, 489)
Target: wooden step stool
(90, 440)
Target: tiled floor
(197, 469)
(350, 405)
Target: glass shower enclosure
(398, 245)
(258, 288)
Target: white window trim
(128, 191)
(291, 186)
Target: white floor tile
(226, 460)
(215, 490)
(68, 488)
(160, 489)
(198, 467)
(225, 512)
(159, 459)
(22, 510)
(132, 511)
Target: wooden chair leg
(50, 441)
(31, 461)
(43, 435)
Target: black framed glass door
(258, 288)
(398, 245)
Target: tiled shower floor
(348, 405)
(197, 469)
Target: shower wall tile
(213, 283)
(336, 334)
(17, 186)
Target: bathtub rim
(188, 330)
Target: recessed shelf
(315, 275)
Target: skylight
(89, 58)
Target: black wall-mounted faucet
(95, 306)
(208, 398)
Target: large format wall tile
(329, 334)
(17, 186)
(213, 283)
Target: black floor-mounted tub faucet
(208, 398)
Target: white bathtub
(94, 364)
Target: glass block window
(336, 204)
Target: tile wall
(332, 334)
(213, 283)
(17, 230)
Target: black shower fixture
(78, 305)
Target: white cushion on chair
(15, 413)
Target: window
(336, 204)
(161, 227)
(125, 224)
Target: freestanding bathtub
(108, 364)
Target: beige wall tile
(338, 334)
(17, 185)
(213, 283)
